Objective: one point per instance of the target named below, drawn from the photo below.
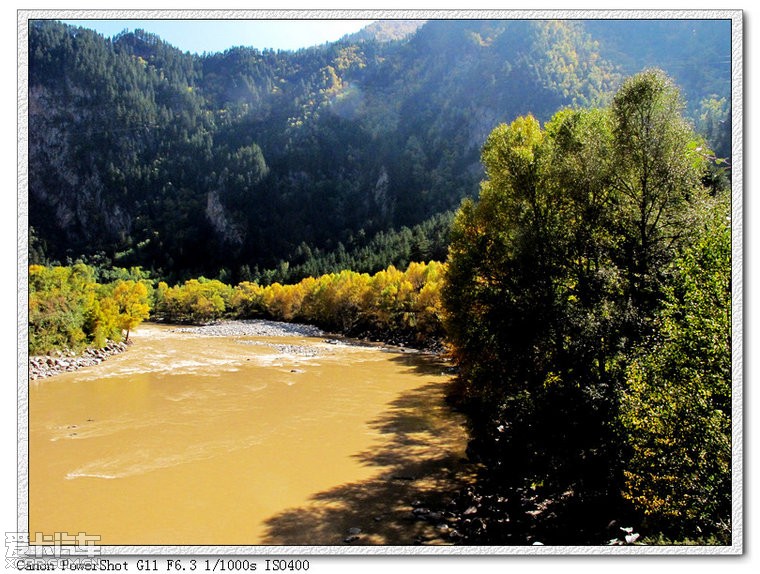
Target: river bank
(44, 366)
(66, 360)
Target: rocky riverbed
(43, 366)
(265, 328)
(253, 328)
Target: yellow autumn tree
(131, 298)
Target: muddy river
(197, 438)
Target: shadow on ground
(419, 462)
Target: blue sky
(200, 36)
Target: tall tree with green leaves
(530, 300)
(557, 276)
(658, 173)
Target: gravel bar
(253, 328)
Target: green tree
(714, 122)
(60, 300)
(676, 405)
(658, 173)
(195, 301)
(69, 309)
(556, 276)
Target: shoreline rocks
(408, 341)
(44, 366)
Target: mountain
(241, 161)
(385, 31)
(696, 53)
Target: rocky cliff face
(220, 221)
(65, 183)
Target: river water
(190, 439)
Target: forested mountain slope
(236, 162)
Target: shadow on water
(421, 363)
(419, 461)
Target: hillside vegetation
(234, 164)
